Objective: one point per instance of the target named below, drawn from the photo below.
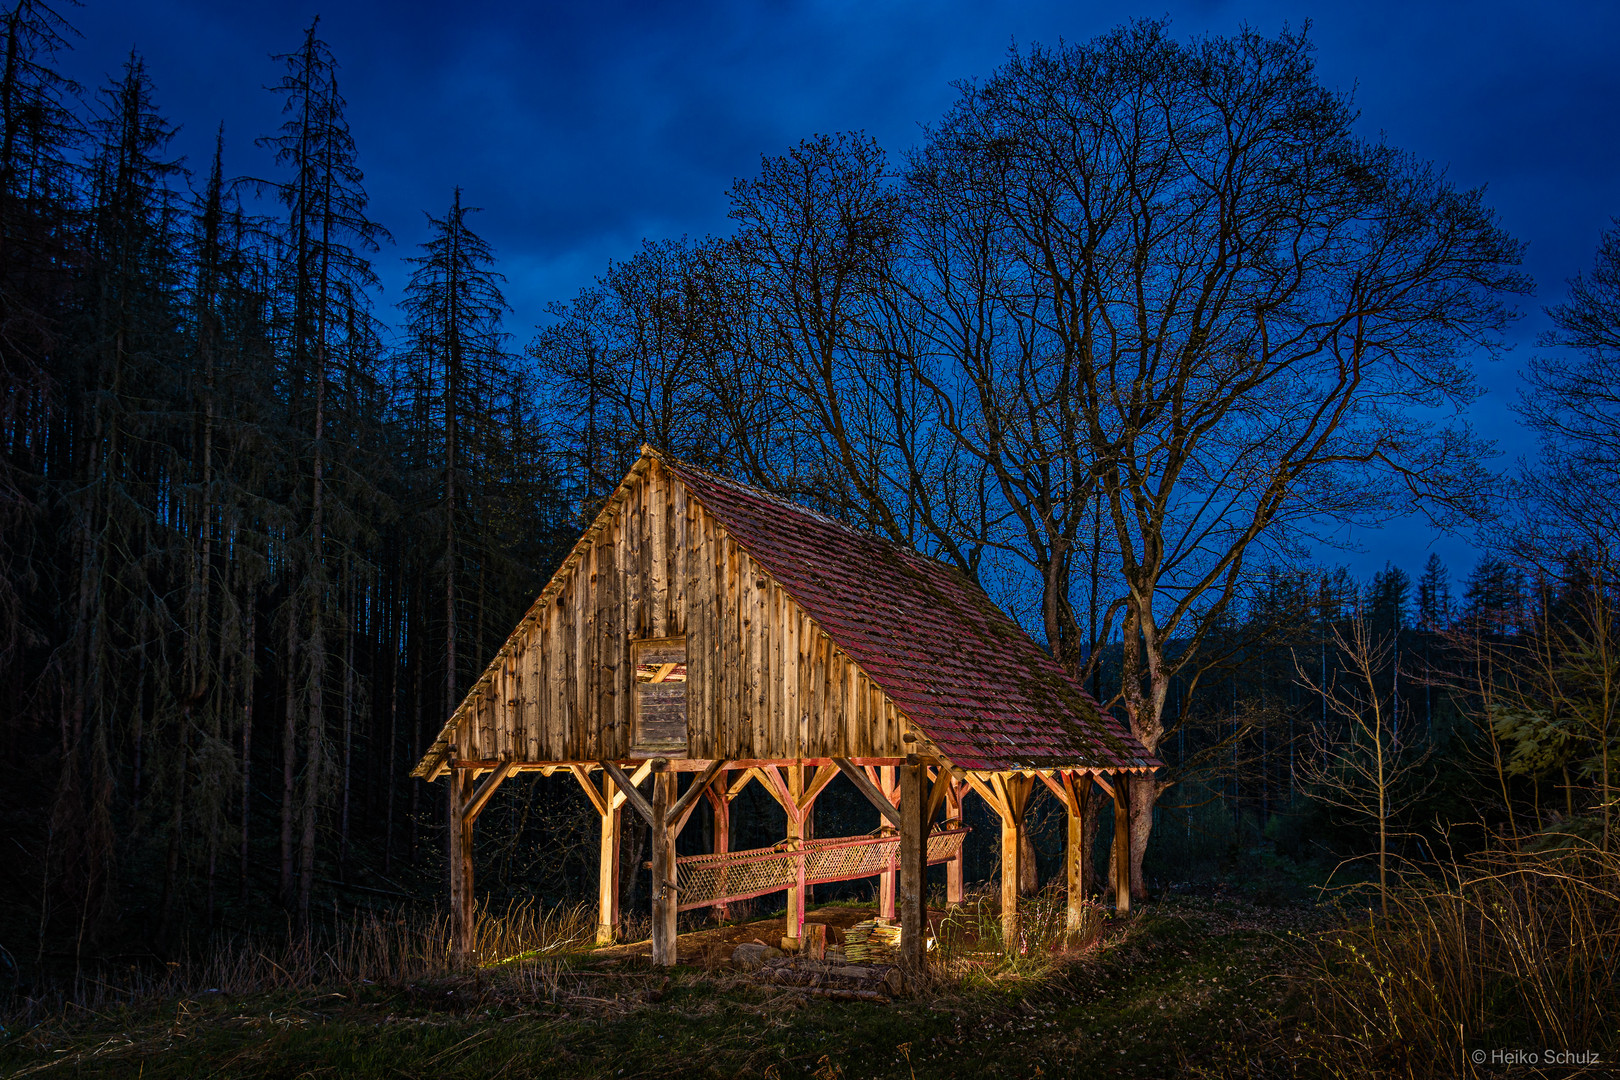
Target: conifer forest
(1136, 328)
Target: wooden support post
(955, 890)
(721, 805)
(1074, 858)
(664, 902)
(913, 862)
(1122, 843)
(460, 859)
(1013, 790)
(886, 906)
(794, 930)
(607, 877)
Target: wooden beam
(607, 867)
(664, 902)
(936, 794)
(770, 778)
(619, 797)
(480, 798)
(864, 785)
(748, 777)
(684, 765)
(627, 788)
(1122, 843)
(889, 879)
(913, 864)
(955, 886)
(460, 859)
(1071, 789)
(1075, 854)
(824, 776)
(1014, 791)
(884, 780)
(584, 777)
(1056, 787)
(1105, 785)
(986, 794)
(687, 803)
(722, 835)
(790, 792)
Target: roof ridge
(799, 508)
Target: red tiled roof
(979, 688)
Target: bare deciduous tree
(1362, 768)
(1212, 308)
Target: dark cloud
(581, 128)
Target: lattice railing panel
(702, 880)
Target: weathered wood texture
(720, 803)
(1013, 793)
(663, 867)
(762, 679)
(460, 826)
(607, 884)
(955, 885)
(1074, 852)
(1120, 863)
(913, 884)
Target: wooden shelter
(705, 627)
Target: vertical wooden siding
(763, 680)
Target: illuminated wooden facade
(705, 627)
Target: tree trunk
(289, 756)
(250, 652)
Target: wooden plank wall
(763, 681)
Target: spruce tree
(1434, 595)
(326, 274)
(459, 361)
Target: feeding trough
(706, 880)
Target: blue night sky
(582, 128)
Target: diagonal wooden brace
(1097, 778)
(770, 778)
(619, 797)
(1057, 788)
(687, 803)
(936, 794)
(584, 777)
(824, 776)
(990, 797)
(475, 805)
(638, 802)
(864, 785)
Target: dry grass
(1162, 989)
(969, 942)
(1506, 950)
(370, 948)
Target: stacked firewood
(875, 941)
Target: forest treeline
(1135, 323)
(252, 541)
